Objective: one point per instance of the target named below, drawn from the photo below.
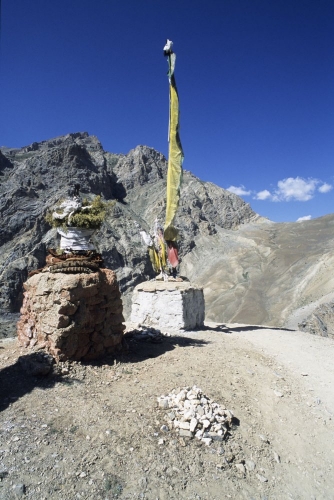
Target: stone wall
(72, 316)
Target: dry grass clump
(91, 218)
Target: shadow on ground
(29, 371)
(247, 328)
(38, 369)
(137, 349)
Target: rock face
(72, 316)
(34, 178)
(320, 322)
(253, 271)
(168, 305)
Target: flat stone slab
(168, 305)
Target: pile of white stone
(192, 414)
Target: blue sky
(255, 81)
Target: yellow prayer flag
(175, 156)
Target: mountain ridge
(33, 178)
(253, 270)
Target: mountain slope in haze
(266, 273)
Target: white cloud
(306, 217)
(295, 189)
(240, 191)
(290, 189)
(325, 188)
(263, 195)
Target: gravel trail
(95, 431)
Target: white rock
(193, 424)
(220, 419)
(262, 479)
(184, 425)
(240, 468)
(185, 433)
(188, 415)
(163, 403)
(206, 441)
(206, 424)
(200, 411)
(195, 402)
(250, 465)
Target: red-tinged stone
(67, 308)
(72, 316)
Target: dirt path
(93, 431)
(308, 358)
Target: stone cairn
(192, 414)
(72, 308)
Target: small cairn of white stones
(192, 414)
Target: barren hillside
(253, 270)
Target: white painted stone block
(168, 305)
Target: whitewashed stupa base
(74, 238)
(168, 306)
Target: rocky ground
(96, 431)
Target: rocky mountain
(253, 271)
(267, 273)
(35, 177)
(320, 321)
